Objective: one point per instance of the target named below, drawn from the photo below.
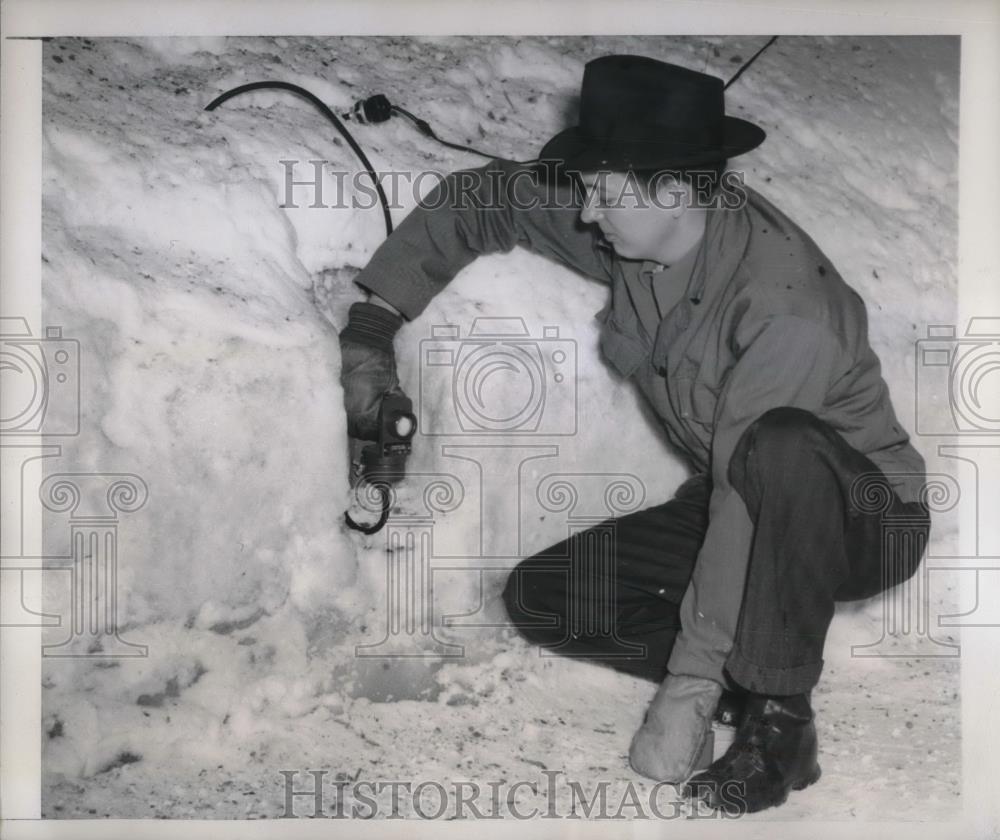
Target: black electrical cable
(383, 517)
(332, 117)
(326, 112)
(751, 60)
(425, 128)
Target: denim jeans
(827, 527)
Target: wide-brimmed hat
(640, 113)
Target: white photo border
(23, 21)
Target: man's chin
(622, 249)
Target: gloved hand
(367, 366)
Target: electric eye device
(385, 460)
(379, 465)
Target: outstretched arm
(473, 212)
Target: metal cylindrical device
(384, 461)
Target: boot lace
(750, 741)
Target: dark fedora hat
(640, 113)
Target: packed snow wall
(207, 315)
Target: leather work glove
(367, 366)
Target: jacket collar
(727, 232)
(722, 248)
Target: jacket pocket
(622, 351)
(697, 402)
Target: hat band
(651, 134)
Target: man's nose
(589, 213)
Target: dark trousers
(820, 511)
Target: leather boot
(774, 752)
(729, 712)
(726, 721)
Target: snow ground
(207, 315)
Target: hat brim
(581, 153)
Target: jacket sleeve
(789, 361)
(473, 212)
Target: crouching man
(754, 354)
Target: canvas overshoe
(675, 738)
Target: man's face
(633, 222)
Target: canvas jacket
(765, 321)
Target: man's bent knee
(777, 435)
(525, 578)
(782, 429)
(786, 426)
(512, 593)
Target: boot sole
(811, 779)
(802, 784)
